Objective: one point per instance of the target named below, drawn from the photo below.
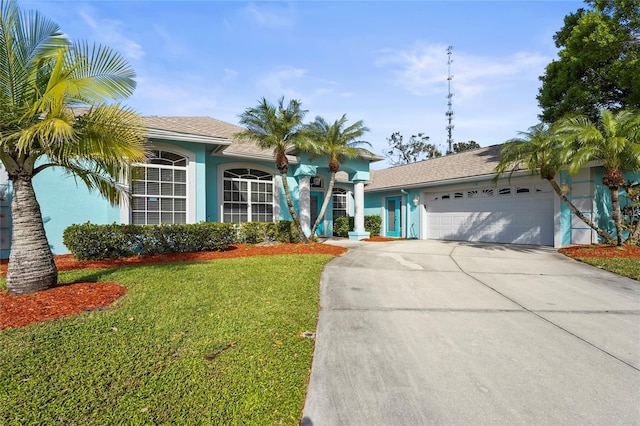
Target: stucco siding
(64, 202)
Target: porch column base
(358, 234)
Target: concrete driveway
(432, 332)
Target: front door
(393, 226)
(316, 204)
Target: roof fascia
(292, 160)
(453, 181)
(186, 137)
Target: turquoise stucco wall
(601, 205)
(63, 202)
(374, 202)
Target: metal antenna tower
(449, 112)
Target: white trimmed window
(247, 196)
(339, 197)
(159, 193)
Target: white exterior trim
(125, 208)
(277, 184)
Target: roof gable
(474, 163)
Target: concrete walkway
(428, 332)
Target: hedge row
(92, 242)
(343, 224)
(88, 241)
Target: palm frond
(334, 140)
(277, 127)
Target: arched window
(159, 190)
(339, 202)
(248, 196)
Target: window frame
(126, 210)
(275, 181)
(345, 193)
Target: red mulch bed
(70, 299)
(601, 250)
(379, 239)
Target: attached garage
(455, 197)
(518, 214)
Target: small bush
(287, 232)
(342, 225)
(283, 231)
(92, 242)
(372, 224)
(257, 232)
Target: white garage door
(518, 214)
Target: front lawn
(627, 267)
(191, 343)
(623, 260)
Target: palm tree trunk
(292, 211)
(633, 239)
(31, 266)
(325, 204)
(615, 214)
(604, 234)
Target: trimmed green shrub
(287, 232)
(257, 232)
(92, 242)
(283, 231)
(372, 224)
(342, 225)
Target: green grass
(625, 266)
(191, 343)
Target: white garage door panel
(517, 218)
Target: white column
(358, 210)
(305, 203)
(358, 232)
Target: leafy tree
(278, 128)
(42, 76)
(338, 143)
(416, 149)
(465, 146)
(540, 151)
(598, 64)
(613, 141)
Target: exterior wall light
(416, 201)
(565, 188)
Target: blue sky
(383, 62)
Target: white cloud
(172, 45)
(268, 17)
(230, 74)
(183, 96)
(281, 82)
(422, 70)
(112, 34)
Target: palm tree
(278, 128)
(338, 143)
(614, 141)
(539, 151)
(42, 78)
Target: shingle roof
(477, 162)
(210, 128)
(201, 126)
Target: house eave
(258, 157)
(453, 181)
(166, 135)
